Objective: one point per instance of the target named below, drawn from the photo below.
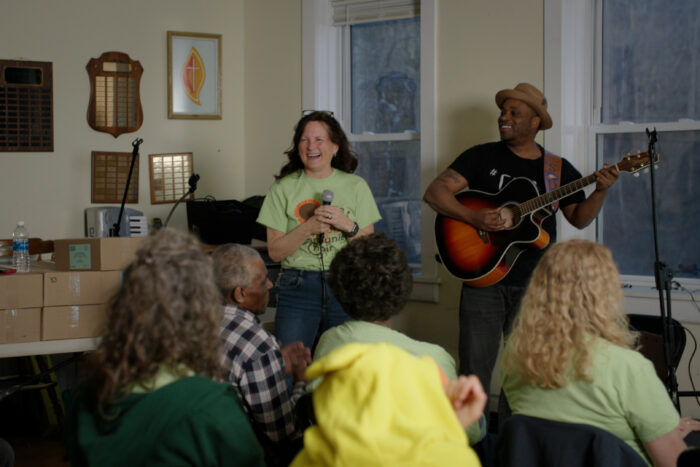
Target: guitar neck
(555, 195)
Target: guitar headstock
(636, 162)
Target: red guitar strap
(552, 174)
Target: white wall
(272, 87)
(55, 186)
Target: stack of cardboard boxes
(66, 299)
(21, 299)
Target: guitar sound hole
(511, 216)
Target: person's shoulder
(567, 166)
(352, 182)
(407, 342)
(190, 386)
(475, 152)
(350, 331)
(209, 396)
(490, 147)
(211, 410)
(617, 358)
(239, 321)
(342, 332)
(288, 179)
(246, 339)
(347, 177)
(434, 349)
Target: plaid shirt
(254, 365)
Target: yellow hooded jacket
(380, 405)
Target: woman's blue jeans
(304, 310)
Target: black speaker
(225, 221)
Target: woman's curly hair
(574, 295)
(344, 159)
(370, 278)
(166, 311)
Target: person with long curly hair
(571, 356)
(306, 229)
(372, 281)
(149, 397)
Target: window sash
(348, 12)
(346, 107)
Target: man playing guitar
(488, 311)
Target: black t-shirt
(489, 167)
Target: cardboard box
(95, 254)
(20, 325)
(21, 290)
(80, 287)
(72, 322)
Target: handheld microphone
(327, 199)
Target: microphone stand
(114, 232)
(194, 178)
(663, 276)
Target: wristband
(353, 232)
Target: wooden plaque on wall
(26, 106)
(169, 176)
(115, 102)
(110, 171)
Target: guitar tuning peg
(636, 174)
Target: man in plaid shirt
(252, 360)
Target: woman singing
(305, 229)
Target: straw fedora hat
(532, 97)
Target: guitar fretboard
(555, 195)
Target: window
(366, 61)
(637, 62)
(649, 76)
(384, 111)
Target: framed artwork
(194, 75)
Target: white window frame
(573, 89)
(323, 77)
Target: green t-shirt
(293, 199)
(371, 333)
(625, 398)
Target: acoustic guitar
(481, 258)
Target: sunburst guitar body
(481, 258)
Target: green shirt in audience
(625, 397)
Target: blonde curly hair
(574, 294)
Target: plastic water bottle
(20, 248)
